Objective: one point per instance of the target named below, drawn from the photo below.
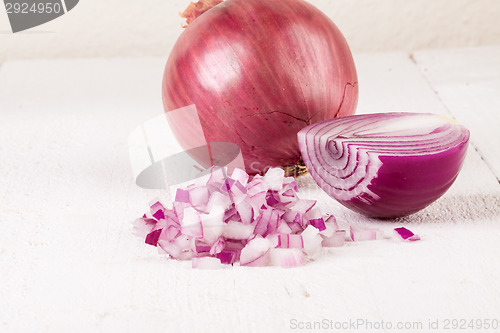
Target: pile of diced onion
(260, 222)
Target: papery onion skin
(401, 177)
(258, 72)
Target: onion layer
(385, 165)
(259, 71)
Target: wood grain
(467, 82)
(69, 262)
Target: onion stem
(296, 170)
(195, 9)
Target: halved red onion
(385, 165)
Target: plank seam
(471, 143)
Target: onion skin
(195, 9)
(258, 72)
(390, 171)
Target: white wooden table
(69, 262)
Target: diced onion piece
(288, 193)
(191, 223)
(330, 227)
(240, 176)
(201, 247)
(182, 196)
(273, 239)
(406, 234)
(213, 224)
(181, 248)
(231, 252)
(157, 210)
(274, 178)
(263, 222)
(337, 239)
(152, 237)
(218, 246)
(245, 210)
(318, 224)
(170, 232)
(312, 241)
(238, 230)
(256, 186)
(218, 199)
(303, 206)
(290, 183)
(284, 228)
(256, 252)
(296, 227)
(364, 233)
(198, 197)
(179, 209)
(290, 241)
(206, 263)
(217, 176)
(238, 193)
(143, 226)
(287, 257)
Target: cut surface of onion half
(385, 165)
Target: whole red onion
(258, 72)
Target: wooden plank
(69, 262)
(390, 82)
(467, 82)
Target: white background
(127, 28)
(69, 261)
